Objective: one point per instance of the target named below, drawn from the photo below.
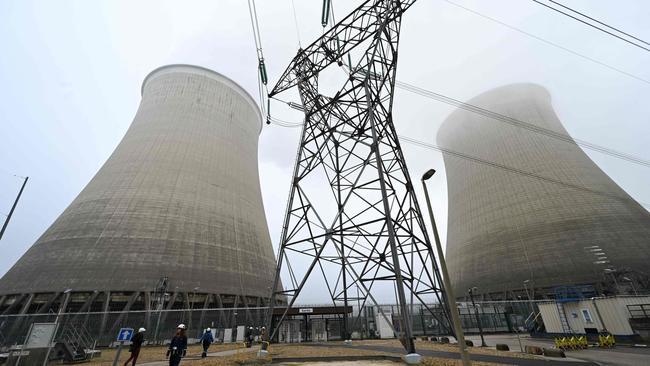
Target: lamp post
(627, 279)
(451, 299)
(612, 272)
(530, 300)
(478, 318)
(194, 290)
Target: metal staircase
(73, 343)
(566, 328)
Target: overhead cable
(613, 68)
(508, 120)
(262, 77)
(295, 20)
(599, 22)
(577, 18)
(489, 163)
(519, 123)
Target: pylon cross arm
(351, 31)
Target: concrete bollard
(533, 350)
(553, 352)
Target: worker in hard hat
(206, 340)
(248, 337)
(178, 346)
(263, 334)
(136, 344)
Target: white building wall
(614, 315)
(550, 317)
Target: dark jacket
(207, 337)
(136, 341)
(180, 342)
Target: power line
(592, 25)
(494, 115)
(599, 22)
(540, 39)
(519, 123)
(295, 20)
(509, 120)
(492, 164)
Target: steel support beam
(371, 231)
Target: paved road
(619, 356)
(477, 357)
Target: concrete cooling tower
(176, 209)
(565, 224)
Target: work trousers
(135, 352)
(206, 345)
(174, 360)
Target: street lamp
(453, 309)
(478, 318)
(627, 279)
(192, 306)
(530, 300)
(612, 272)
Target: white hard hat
(207, 329)
(142, 330)
(181, 326)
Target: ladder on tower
(566, 328)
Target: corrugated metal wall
(613, 311)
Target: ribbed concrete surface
(505, 227)
(179, 197)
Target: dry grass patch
(472, 350)
(435, 361)
(243, 358)
(155, 353)
(283, 351)
(432, 346)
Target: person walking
(178, 346)
(134, 348)
(206, 339)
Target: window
(586, 315)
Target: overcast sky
(70, 74)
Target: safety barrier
(606, 341)
(571, 343)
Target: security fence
(101, 328)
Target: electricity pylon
(371, 232)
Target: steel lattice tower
(374, 232)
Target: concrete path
(475, 357)
(619, 356)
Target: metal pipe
(451, 299)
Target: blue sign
(125, 334)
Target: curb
(336, 358)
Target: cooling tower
(176, 208)
(544, 212)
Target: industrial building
(626, 317)
(174, 219)
(529, 210)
